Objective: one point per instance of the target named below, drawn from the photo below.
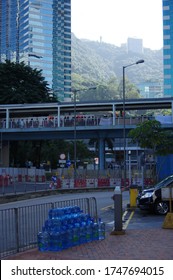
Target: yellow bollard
(133, 195)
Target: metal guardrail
(20, 226)
(68, 121)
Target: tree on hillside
(131, 91)
(19, 83)
(109, 90)
(99, 61)
(149, 134)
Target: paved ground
(146, 243)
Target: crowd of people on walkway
(69, 121)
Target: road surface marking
(107, 207)
(128, 221)
(123, 218)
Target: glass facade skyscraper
(168, 46)
(39, 33)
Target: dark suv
(151, 199)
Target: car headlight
(147, 194)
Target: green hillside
(101, 63)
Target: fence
(10, 175)
(20, 226)
(65, 179)
(68, 121)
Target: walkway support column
(101, 154)
(114, 114)
(5, 161)
(7, 118)
(58, 116)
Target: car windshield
(165, 182)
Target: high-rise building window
(38, 33)
(168, 47)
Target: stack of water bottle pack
(67, 227)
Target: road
(17, 188)
(103, 198)
(143, 220)
(139, 219)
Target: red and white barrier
(67, 183)
(115, 182)
(103, 182)
(80, 183)
(9, 175)
(91, 183)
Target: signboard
(62, 156)
(167, 193)
(62, 161)
(68, 162)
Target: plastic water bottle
(89, 232)
(47, 225)
(71, 220)
(88, 219)
(65, 239)
(54, 213)
(43, 239)
(56, 224)
(76, 209)
(82, 234)
(67, 227)
(95, 231)
(69, 237)
(76, 235)
(60, 212)
(56, 243)
(101, 230)
(67, 210)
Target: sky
(116, 20)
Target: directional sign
(62, 161)
(62, 156)
(68, 162)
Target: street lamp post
(130, 174)
(75, 91)
(124, 109)
(33, 55)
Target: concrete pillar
(7, 118)
(5, 154)
(58, 116)
(114, 114)
(101, 154)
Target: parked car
(151, 199)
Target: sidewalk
(135, 244)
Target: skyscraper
(39, 33)
(168, 46)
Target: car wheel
(161, 207)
